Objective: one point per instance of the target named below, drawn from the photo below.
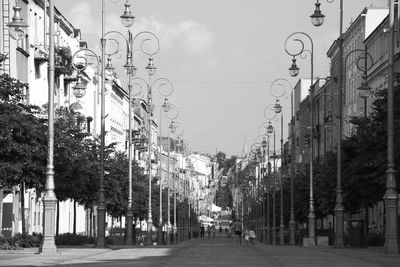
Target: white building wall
(37, 94)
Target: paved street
(219, 251)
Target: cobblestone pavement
(219, 251)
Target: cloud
(81, 17)
(192, 36)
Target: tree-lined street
(218, 251)
(105, 161)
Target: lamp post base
(292, 235)
(149, 241)
(101, 219)
(169, 234)
(49, 245)
(282, 235)
(339, 226)
(129, 229)
(175, 234)
(160, 234)
(391, 246)
(274, 235)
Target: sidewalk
(218, 251)
(31, 257)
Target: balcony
(40, 55)
(63, 60)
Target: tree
(22, 140)
(72, 148)
(365, 155)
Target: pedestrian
(220, 230)
(202, 232)
(209, 232)
(252, 236)
(246, 236)
(238, 232)
(213, 230)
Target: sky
(221, 56)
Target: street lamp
(364, 89)
(317, 18)
(284, 83)
(131, 71)
(165, 107)
(171, 113)
(271, 130)
(339, 209)
(17, 27)
(278, 84)
(174, 127)
(391, 198)
(294, 70)
(264, 144)
(127, 18)
(295, 37)
(17, 31)
(256, 152)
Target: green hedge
(69, 239)
(19, 241)
(375, 239)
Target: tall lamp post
(268, 130)
(281, 82)
(275, 89)
(145, 37)
(271, 130)
(294, 71)
(172, 114)
(174, 127)
(391, 227)
(317, 19)
(165, 107)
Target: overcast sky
(221, 56)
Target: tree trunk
(22, 196)
(91, 221)
(366, 224)
(1, 210)
(58, 217)
(74, 223)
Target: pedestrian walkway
(218, 251)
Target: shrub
(375, 239)
(69, 239)
(21, 241)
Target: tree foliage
(22, 138)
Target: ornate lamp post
(293, 71)
(131, 71)
(278, 110)
(17, 30)
(265, 230)
(172, 114)
(390, 198)
(285, 84)
(174, 126)
(364, 89)
(165, 107)
(317, 19)
(271, 130)
(256, 156)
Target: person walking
(252, 236)
(202, 232)
(209, 232)
(238, 232)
